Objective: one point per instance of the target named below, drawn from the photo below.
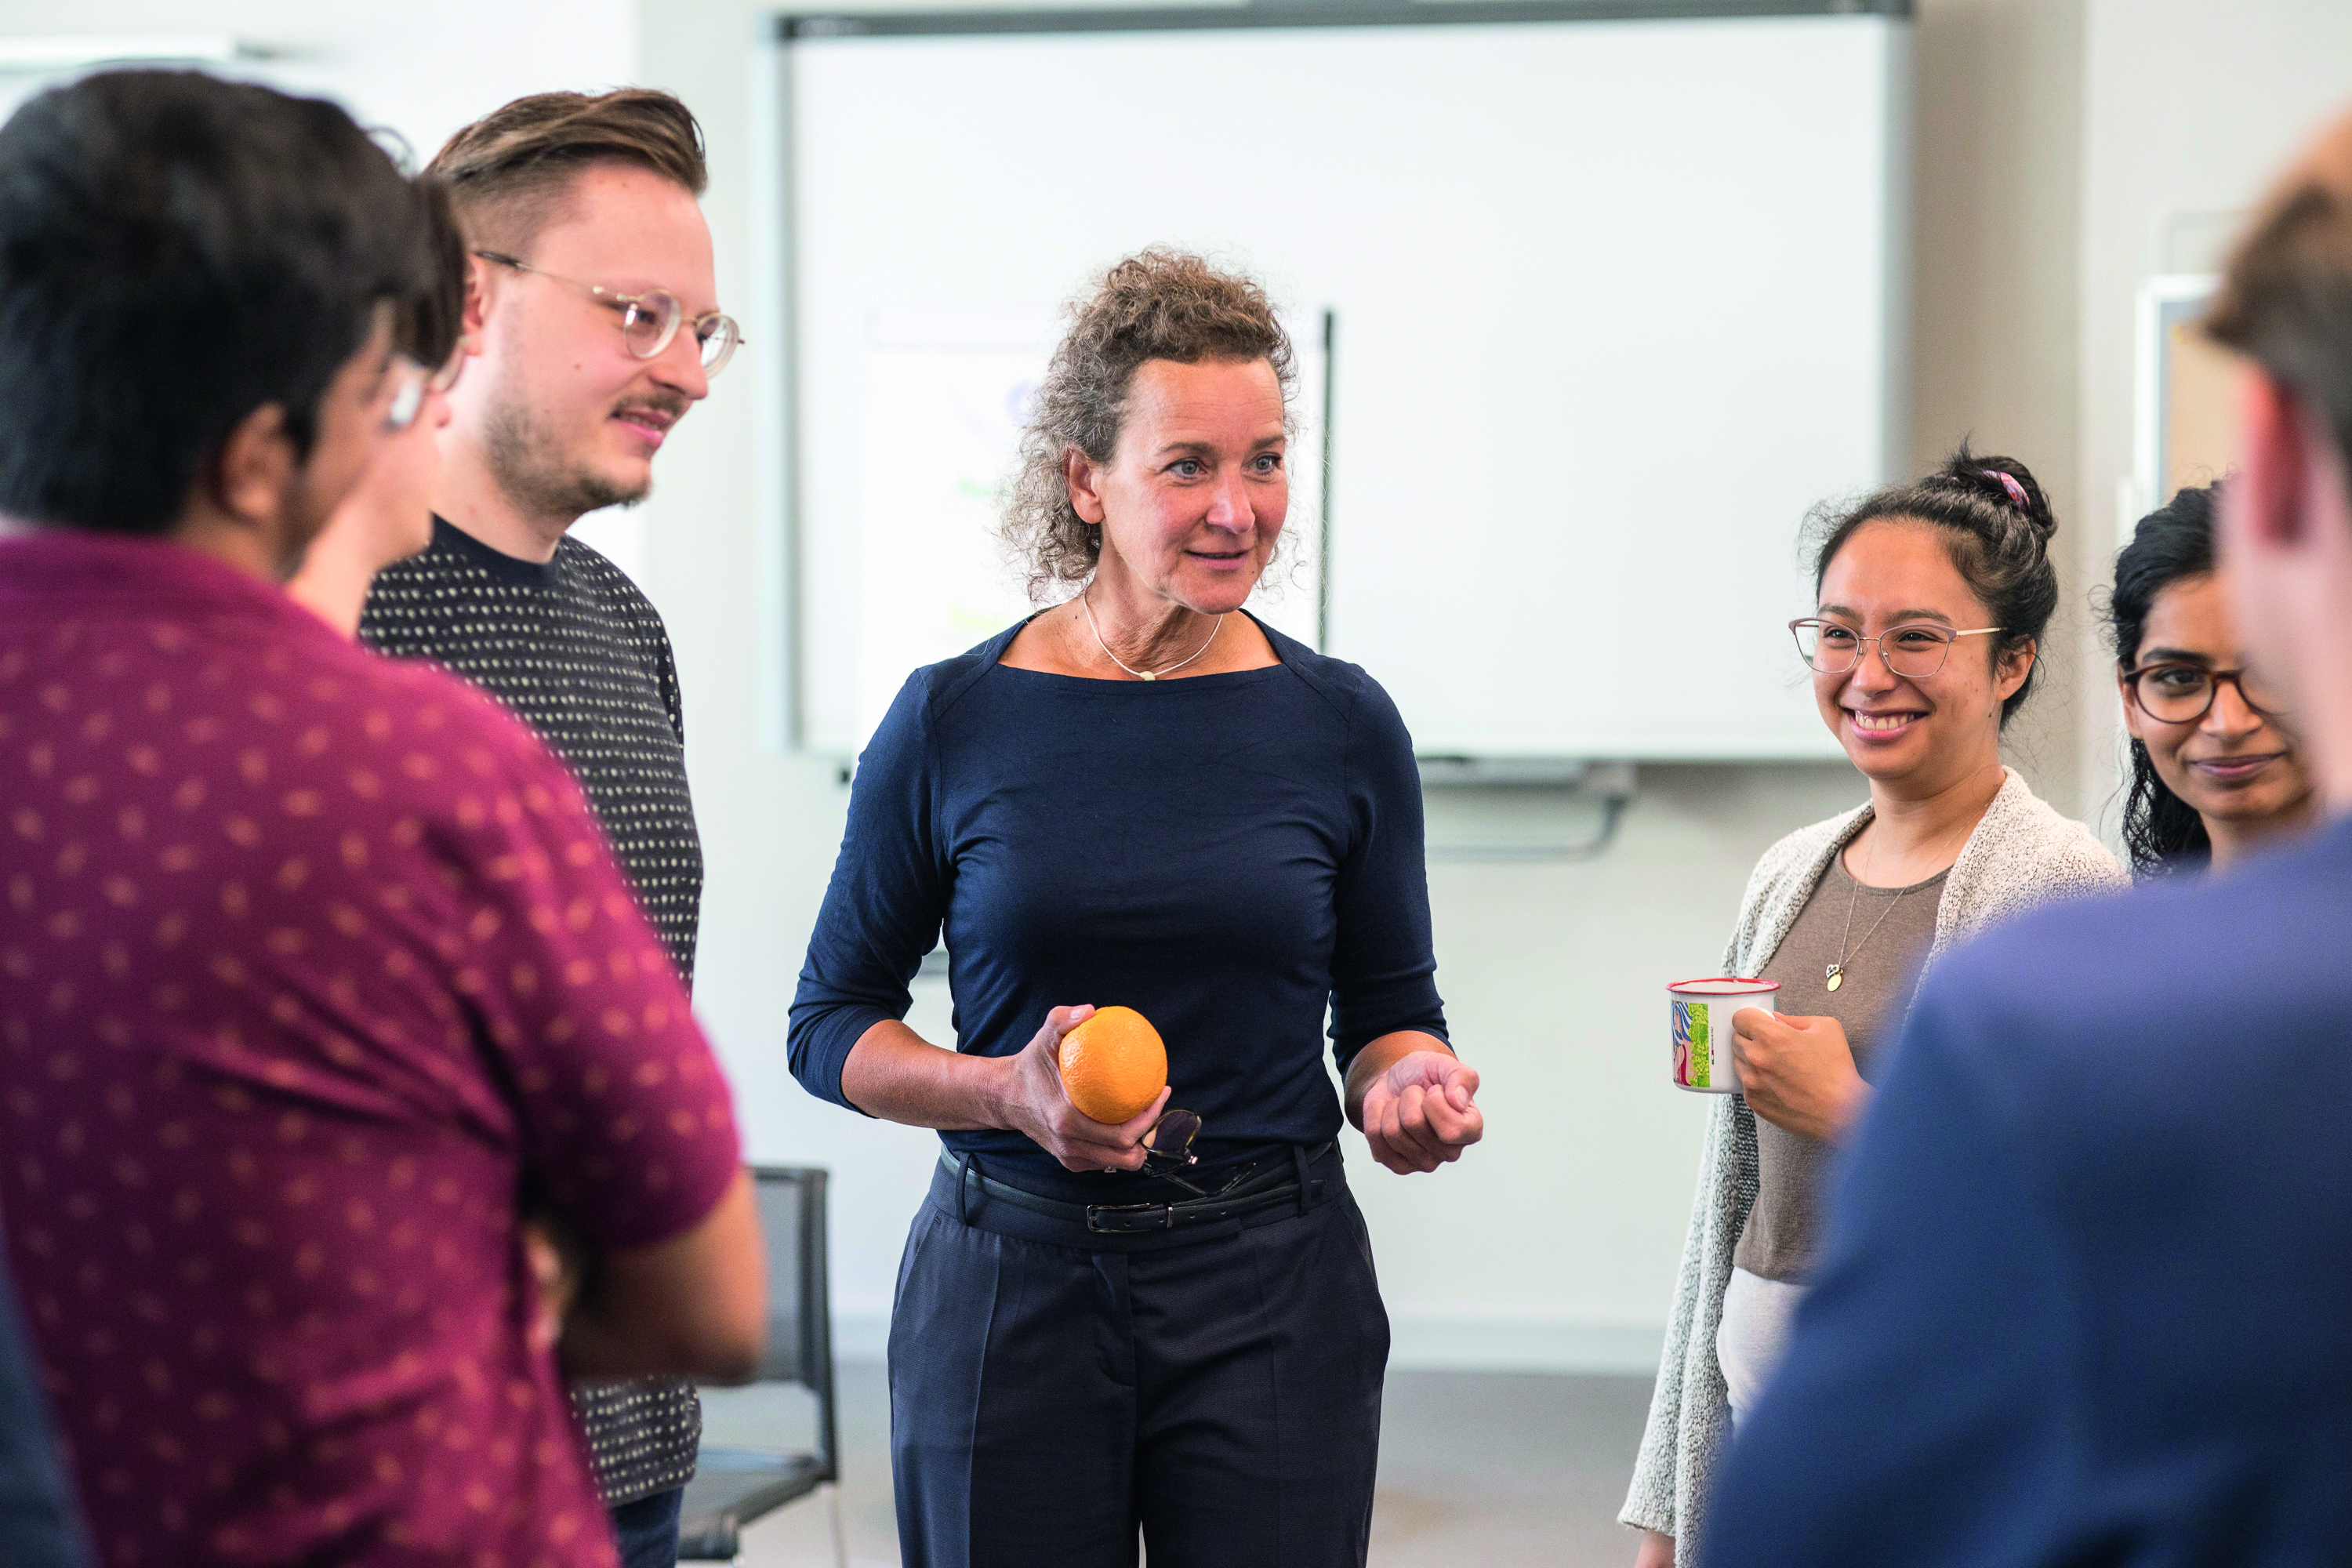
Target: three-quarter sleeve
(1383, 960)
(882, 909)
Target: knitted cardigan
(2021, 854)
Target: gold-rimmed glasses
(1913, 651)
(649, 320)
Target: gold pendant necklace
(1143, 673)
(1835, 974)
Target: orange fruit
(1113, 1065)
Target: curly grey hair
(1156, 304)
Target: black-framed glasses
(1168, 1147)
(1913, 651)
(2184, 693)
(650, 320)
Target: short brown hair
(508, 171)
(1157, 304)
(2285, 300)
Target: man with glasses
(593, 312)
(296, 942)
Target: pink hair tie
(2008, 482)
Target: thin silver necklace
(1835, 974)
(1147, 674)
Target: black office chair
(733, 1485)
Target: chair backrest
(800, 1299)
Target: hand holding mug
(1798, 1073)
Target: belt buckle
(1095, 1212)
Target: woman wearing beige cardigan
(1933, 600)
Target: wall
(423, 68)
(1995, 267)
(2190, 106)
(1555, 1242)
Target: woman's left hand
(1798, 1073)
(1421, 1112)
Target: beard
(530, 464)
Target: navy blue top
(2084, 1293)
(1229, 855)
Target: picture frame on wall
(2185, 385)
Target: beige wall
(1998, 164)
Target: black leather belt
(1258, 1186)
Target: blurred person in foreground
(315, 971)
(2093, 1243)
(593, 309)
(2216, 765)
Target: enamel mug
(1702, 1029)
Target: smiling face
(1924, 733)
(2236, 764)
(567, 418)
(1192, 502)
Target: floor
(1487, 1469)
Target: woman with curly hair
(2215, 767)
(1142, 796)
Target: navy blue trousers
(1054, 1394)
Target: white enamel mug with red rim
(1699, 1048)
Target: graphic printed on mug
(1691, 1065)
(1700, 1062)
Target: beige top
(1784, 1229)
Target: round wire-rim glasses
(1913, 650)
(649, 321)
(2185, 693)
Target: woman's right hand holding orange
(1031, 1101)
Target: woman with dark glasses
(1932, 601)
(2215, 764)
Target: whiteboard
(1615, 303)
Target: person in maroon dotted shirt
(315, 973)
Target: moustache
(673, 405)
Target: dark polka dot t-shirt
(579, 654)
(311, 963)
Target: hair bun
(1996, 526)
(2008, 484)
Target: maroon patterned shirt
(312, 967)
